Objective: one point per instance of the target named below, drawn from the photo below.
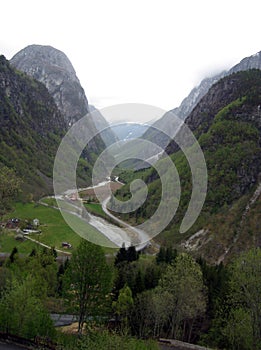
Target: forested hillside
(31, 128)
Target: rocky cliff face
(234, 98)
(31, 127)
(196, 95)
(189, 103)
(52, 67)
(252, 62)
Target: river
(125, 234)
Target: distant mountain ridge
(128, 130)
(105, 130)
(196, 94)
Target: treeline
(189, 300)
(135, 296)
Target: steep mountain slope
(251, 62)
(31, 128)
(53, 68)
(227, 124)
(194, 97)
(105, 130)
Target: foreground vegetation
(123, 300)
(131, 298)
(103, 340)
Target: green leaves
(184, 281)
(246, 290)
(89, 280)
(237, 323)
(22, 311)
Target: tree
(60, 277)
(139, 285)
(43, 267)
(161, 255)
(90, 280)
(123, 306)
(171, 255)
(166, 255)
(216, 280)
(13, 255)
(22, 311)
(245, 289)
(121, 255)
(151, 276)
(125, 274)
(142, 316)
(184, 282)
(238, 330)
(130, 254)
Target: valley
(101, 249)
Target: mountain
(105, 130)
(127, 130)
(189, 103)
(53, 68)
(227, 125)
(251, 62)
(31, 127)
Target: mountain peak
(44, 55)
(53, 68)
(251, 62)
(197, 93)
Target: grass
(104, 340)
(50, 201)
(8, 242)
(53, 226)
(96, 209)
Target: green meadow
(54, 229)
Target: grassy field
(54, 230)
(50, 201)
(8, 242)
(95, 208)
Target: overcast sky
(140, 51)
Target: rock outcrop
(196, 94)
(53, 68)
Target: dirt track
(102, 190)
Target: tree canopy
(89, 280)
